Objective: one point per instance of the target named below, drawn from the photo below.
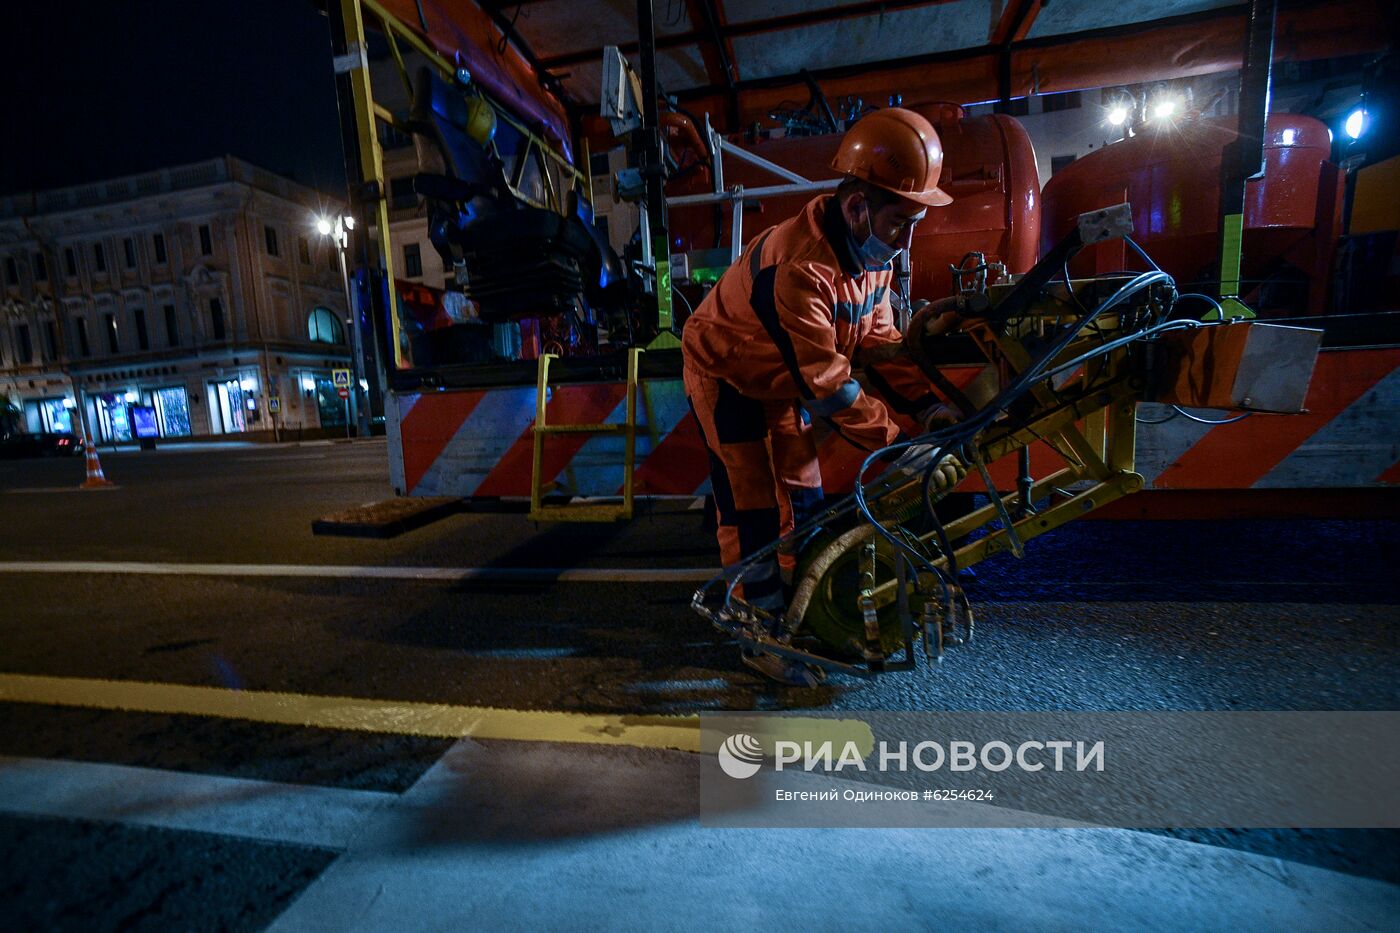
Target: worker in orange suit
(771, 348)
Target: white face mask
(875, 254)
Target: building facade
(199, 297)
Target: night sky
(92, 90)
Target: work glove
(948, 473)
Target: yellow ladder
(585, 511)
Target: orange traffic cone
(95, 479)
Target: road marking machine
(1067, 362)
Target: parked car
(43, 444)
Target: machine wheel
(832, 615)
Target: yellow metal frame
(590, 511)
(1090, 421)
(367, 111)
(395, 29)
(371, 155)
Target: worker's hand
(938, 415)
(947, 474)
(930, 321)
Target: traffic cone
(95, 479)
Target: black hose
(820, 99)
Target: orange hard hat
(898, 150)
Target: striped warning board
(478, 442)
(1348, 436)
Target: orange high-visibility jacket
(785, 320)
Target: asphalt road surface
(118, 811)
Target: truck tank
(1172, 178)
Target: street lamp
(338, 230)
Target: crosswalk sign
(340, 378)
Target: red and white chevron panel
(1348, 437)
(479, 442)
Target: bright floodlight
(247, 384)
(130, 398)
(1356, 123)
(308, 384)
(1164, 109)
(69, 404)
(1117, 115)
(323, 226)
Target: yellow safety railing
(584, 511)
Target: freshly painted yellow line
(438, 720)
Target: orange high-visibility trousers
(764, 475)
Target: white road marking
(336, 571)
(513, 836)
(298, 814)
(279, 458)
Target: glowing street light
(1118, 115)
(338, 229)
(1356, 123)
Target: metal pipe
(648, 144)
(361, 410)
(747, 194)
(1243, 158)
(652, 167)
(736, 226)
(717, 168)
